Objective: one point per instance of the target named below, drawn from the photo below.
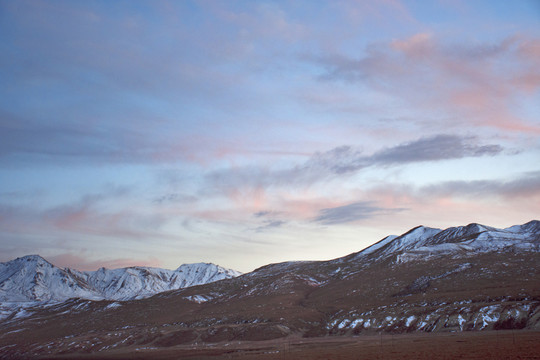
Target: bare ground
(496, 345)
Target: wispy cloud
(345, 160)
(270, 219)
(270, 224)
(525, 186)
(435, 148)
(105, 214)
(175, 198)
(123, 100)
(479, 81)
(236, 122)
(352, 212)
(266, 213)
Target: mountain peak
(422, 281)
(420, 230)
(475, 227)
(32, 258)
(422, 241)
(31, 278)
(415, 237)
(533, 225)
(196, 265)
(472, 238)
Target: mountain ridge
(467, 278)
(33, 278)
(140, 281)
(473, 237)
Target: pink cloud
(89, 219)
(417, 46)
(527, 82)
(480, 84)
(451, 207)
(241, 205)
(530, 49)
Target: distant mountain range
(423, 242)
(32, 278)
(465, 278)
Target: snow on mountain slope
(130, 283)
(473, 278)
(140, 282)
(201, 273)
(530, 228)
(423, 242)
(411, 239)
(393, 244)
(32, 278)
(379, 244)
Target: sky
(157, 133)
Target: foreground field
(468, 345)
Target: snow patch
(199, 299)
(113, 306)
(461, 321)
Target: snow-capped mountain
(32, 278)
(423, 242)
(466, 278)
(140, 282)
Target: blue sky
(249, 132)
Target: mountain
(33, 279)
(140, 282)
(466, 278)
(422, 242)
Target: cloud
(525, 186)
(107, 214)
(479, 83)
(174, 198)
(91, 220)
(270, 220)
(140, 98)
(346, 160)
(266, 213)
(71, 140)
(134, 97)
(270, 224)
(352, 212)
(446, 203)
(435, 148)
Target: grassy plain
(494, 345)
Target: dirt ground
(468, 345)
